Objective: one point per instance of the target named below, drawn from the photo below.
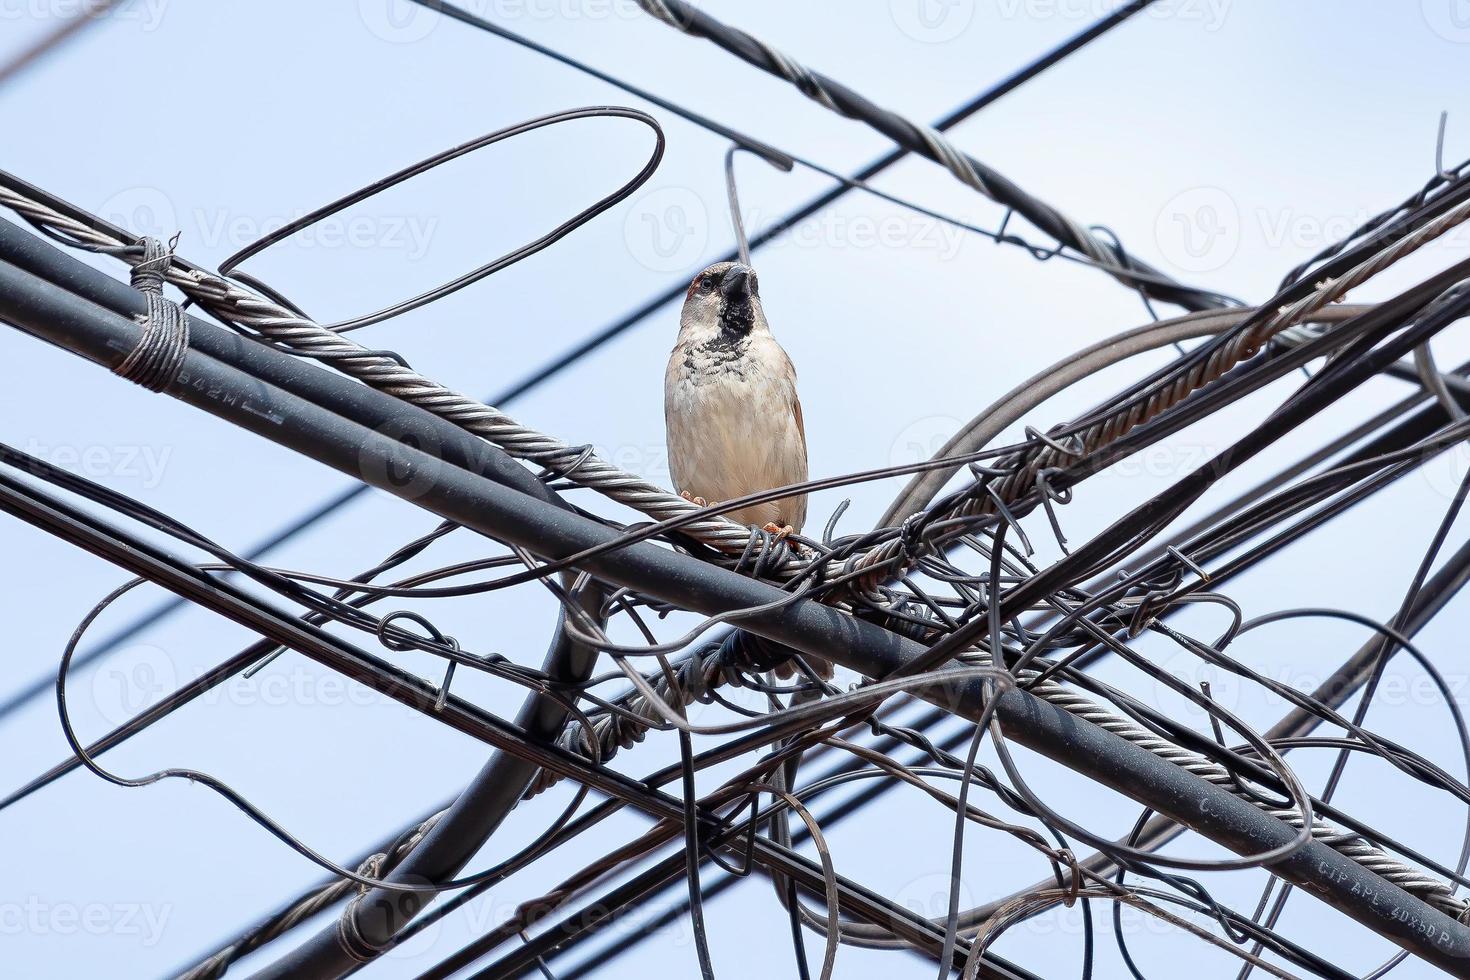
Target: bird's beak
(737, 284)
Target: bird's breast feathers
(734, 424)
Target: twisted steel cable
(269, 319)
(307, 906)
(695, 678)
(1043, 454)
(690, 681)
(696, 675)
(273, 321)
(1411, 879)
(925, 140)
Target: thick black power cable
(1147, 519)
(1438, 592)
(119, 301)
(546, 372)
(140, 557)
(806, 626)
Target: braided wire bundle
(274, 322)
(888, 595)
(1433, 890)
(309, 905)
(1026, 469)
(929, 142)
(694, 679)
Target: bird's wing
(800, 422)
(795, 508)
(795, 403)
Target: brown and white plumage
(730, 406)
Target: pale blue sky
(1224, 141)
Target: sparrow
(730, 407)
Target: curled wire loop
(228, 266)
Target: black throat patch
(737, 319)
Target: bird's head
(723, 300)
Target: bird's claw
(781, 533)
(696, 501)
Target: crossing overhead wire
(927, 142)
(952, 601)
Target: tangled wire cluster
(949, 588)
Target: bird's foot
(696, 501)
(781, 533)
